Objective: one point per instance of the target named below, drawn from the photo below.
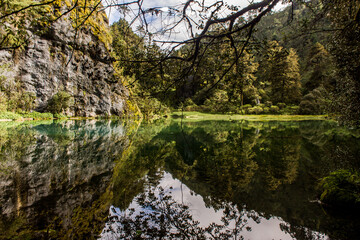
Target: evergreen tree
(318, 69)
(281, 70)
(240, 84)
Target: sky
(165, 20)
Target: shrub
(255, 110)
(60, 102)
(274, 109)
(190, 105)
(26, 101)
(268, 103)
(290, 110)
(281, 105)
(266, 109)
(60, 116)
(341, 187)
(217, 102)
(314, 102)
(246, 106)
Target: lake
(173, 179)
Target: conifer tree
(240, 85)
(281, 70)
(318, 69)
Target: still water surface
(172, 180)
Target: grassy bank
(198, 116)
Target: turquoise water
(172, 180)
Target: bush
(255, 110)
(190, 105)
(60, 116)
(290, 110)
(281, 105)
(60, 102)
(9, 115)
(266, 109)
(26, 101)
(245, 108)
(314, 102)
(341, 187)
(268, 103)
(274, 109)
(218, 102)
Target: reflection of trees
(265, 165)
(279, 154)
(139, 164)
(330, 146)
(301, 232)
(161, 217)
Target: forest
(285, 69)
(301, 59)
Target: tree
(318, 69)
(240, 84)
(281, 70)
(345, 16)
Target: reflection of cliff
(60, 172)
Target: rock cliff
(75, 61)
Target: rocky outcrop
(62, 59)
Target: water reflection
(173, 211)
(197, 180)
(267, 168)
(55, 177)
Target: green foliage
(345, 48)
(217, 102)
(274, 109)
(281, 70)
(38, 115)
(315, 102)
(60, 116)
(189, 105)
(13, 96)
(319, 69)
(3, 101)
(60, 102)
(151, 108)
(281, 105)
(9, 115)
(255, 110)
(341, 188)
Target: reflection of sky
(265, 229)
(164, 20)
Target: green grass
(197, 116)
(38, 115)
(60, 116)
(9, 115)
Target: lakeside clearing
(198, 116)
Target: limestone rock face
(63, 60)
